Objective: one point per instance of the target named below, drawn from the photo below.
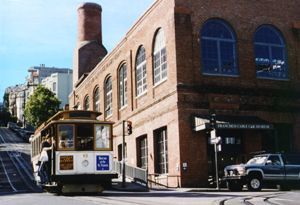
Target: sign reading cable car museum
(253, 123)
(242, 126)
(102, 162)
(66, 162)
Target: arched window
(108, 97)
(218, 48)
(97, 99)
(159, 58)
(123, 86)
(86, 104)
(270, 53)
(141, 72)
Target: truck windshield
(257, 160)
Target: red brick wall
(174, 102)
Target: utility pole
(123, 156)
(213, 138)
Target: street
(17, 187)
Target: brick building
(183, 60)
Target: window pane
(161, 151)
(159, 58)
(65, 137)
(210, 56)
(216, 29)
(270, 53)
(108, 102)
(102, 133)
(267, 34)
(227, 58)
(123, 85)
(218, 48)
(84, 137)
(141, 72)
(97, 100)
(87, 103)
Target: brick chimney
(90, 50)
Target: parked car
(277, 169)
(20, 132)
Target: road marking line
(12, 186)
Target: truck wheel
(254, 183)
(234, 186)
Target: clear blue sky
(34, 32)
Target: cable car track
(15, 175)
(250, 200)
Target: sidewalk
(131, 186)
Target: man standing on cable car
(46, 165)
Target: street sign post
(214, 141)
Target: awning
(202, 122)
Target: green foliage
(41, 105)
(6, 100)
(6, 117)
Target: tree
(6, 100)
(41, 105)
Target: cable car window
(84, 138)
(65, 137)
(102, 133)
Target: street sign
(213, 134)
(215, 140)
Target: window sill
(108, 117)
(141, 95)
(123, 108)
(270, 78)
(221, 75)
(160, 82)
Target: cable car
(80, 153)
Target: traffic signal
(213, 121)
(129, 127)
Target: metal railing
(157, 181)
(142, 177)
(137, 174)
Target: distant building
(16, 98)
(60, 84)
(18, 95)
(39, 73)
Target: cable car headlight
(85, 163)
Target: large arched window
(123, 86)
(141, 72)
(218, 48)
(270, 53)
(108, 97)
(86, 104)
(97, 99)
(159, 58)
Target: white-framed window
(159, 58)
(161, 151)
(142, 152)
(97, 100)
(54, 87)
(123, 86)
(108, 97)
(141, 72)
(86, 103)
